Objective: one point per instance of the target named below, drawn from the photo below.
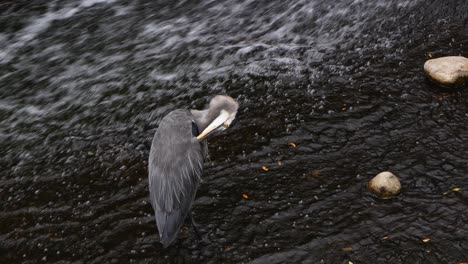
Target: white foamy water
(246, 39)
(40, 24)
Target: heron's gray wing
(175, 167)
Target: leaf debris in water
(292, 144)
(265, 168)
(348, 248)
(456, 189)
(425, 240)
(245, 196)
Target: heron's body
(176, 161)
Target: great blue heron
(176, 161)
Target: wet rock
(123, 156)
(447, 71)
(385, 185)
(205, 201)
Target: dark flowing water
(83, 85)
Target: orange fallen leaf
(316, 173)
(265, 168)
(425, 240)
(343, 109)
(292, 144)
(462, 262)
(245, 196)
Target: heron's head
(222, 113)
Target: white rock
(385, 185)
(447, 71)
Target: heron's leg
(194, 226)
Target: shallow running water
(83, 85)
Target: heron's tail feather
(169, 225)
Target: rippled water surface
(83, 85)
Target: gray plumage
(176, 163)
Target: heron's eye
(226, 126)
(195, 131)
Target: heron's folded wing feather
(175, 168)
(169, 224)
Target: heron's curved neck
(202, 117)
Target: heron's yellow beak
(216, 125)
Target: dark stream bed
(84, 84)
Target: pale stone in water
(447, 71)
(385, 185)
